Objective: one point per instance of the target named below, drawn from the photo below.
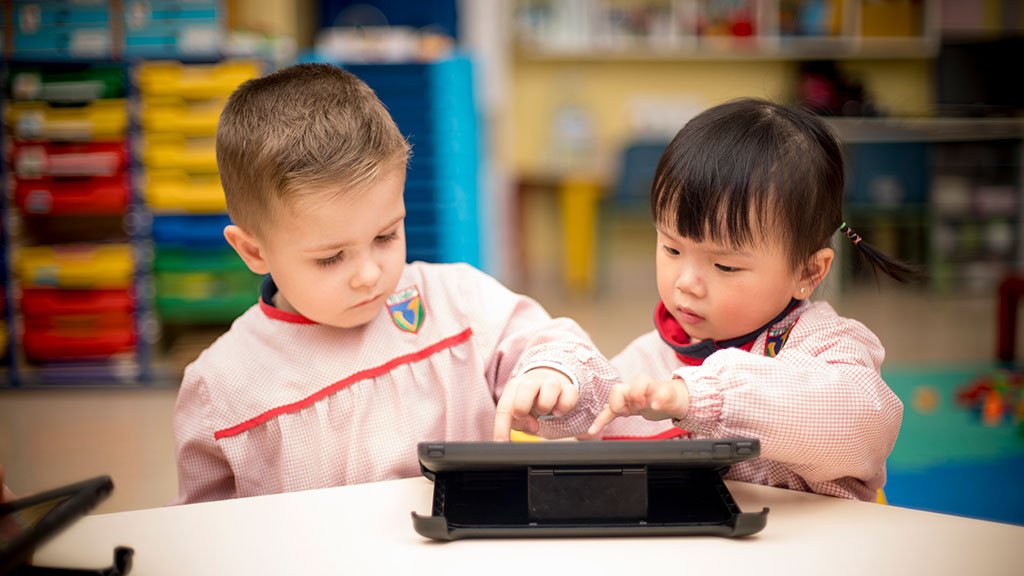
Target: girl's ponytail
(899, 271)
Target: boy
(352, 356)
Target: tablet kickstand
(122, 566)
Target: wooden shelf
(733, 49)
(862, 130)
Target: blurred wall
(610, 91)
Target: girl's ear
(248, 247)
(814, 272)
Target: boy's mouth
(366, 301)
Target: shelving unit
(71, 252)
(603, 30)
(78, 276)
(944, 193)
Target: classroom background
(536, 126)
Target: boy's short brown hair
(308, 127)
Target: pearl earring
(803, 290)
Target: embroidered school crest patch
(406, 309)
(776, 339)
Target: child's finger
(526, 396)
(503, 413)
(547, 396)
(603, 419)
(638, 394)
(617, 402)
(566, 400)
(527, 424)
(663, 398)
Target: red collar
(694, 354)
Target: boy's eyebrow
(340, 245)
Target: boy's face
(718, 293)
(336, 257)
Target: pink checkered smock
(279, 403)
(826, 419)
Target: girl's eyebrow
(729, 252)
(713, 249)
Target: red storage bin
(77, 337)
(52, 302)
(40, 159)
(59, 196)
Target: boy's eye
(671, 251)
(725, 268)
(325, 262)
(386, 238)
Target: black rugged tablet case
(599, 488)
(30, 521)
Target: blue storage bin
(172, 29)
(887, 174)
(61, 29)
(206, 230)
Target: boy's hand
(654, 400)
(526, 397)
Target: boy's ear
(248, 247)
(817, 268)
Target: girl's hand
(536, 393)
(652, 399)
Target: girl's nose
(689, 281)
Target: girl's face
(716, 292)
(336, 258)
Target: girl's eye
(325, 262)
(386, 238)
(671, 251)
(725, 268)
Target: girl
(746, 199)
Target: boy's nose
(367, 274)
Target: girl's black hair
(749, 164)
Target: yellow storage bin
(178, 191)
(98, 120)
(75, 266)
(171, 114)
(176, 152)
(194, 81)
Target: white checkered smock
(825, 418)
(279, 403)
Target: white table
(367, 529)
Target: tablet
(27, 522)
(596, 488)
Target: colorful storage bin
(99, 120)
(35, 160)
(171, 114)
(176, 152)
(179, 191)
(67, 85)
(194, 81)
(76, 196)
(49, 301)
(75, 266)
(62, 29)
